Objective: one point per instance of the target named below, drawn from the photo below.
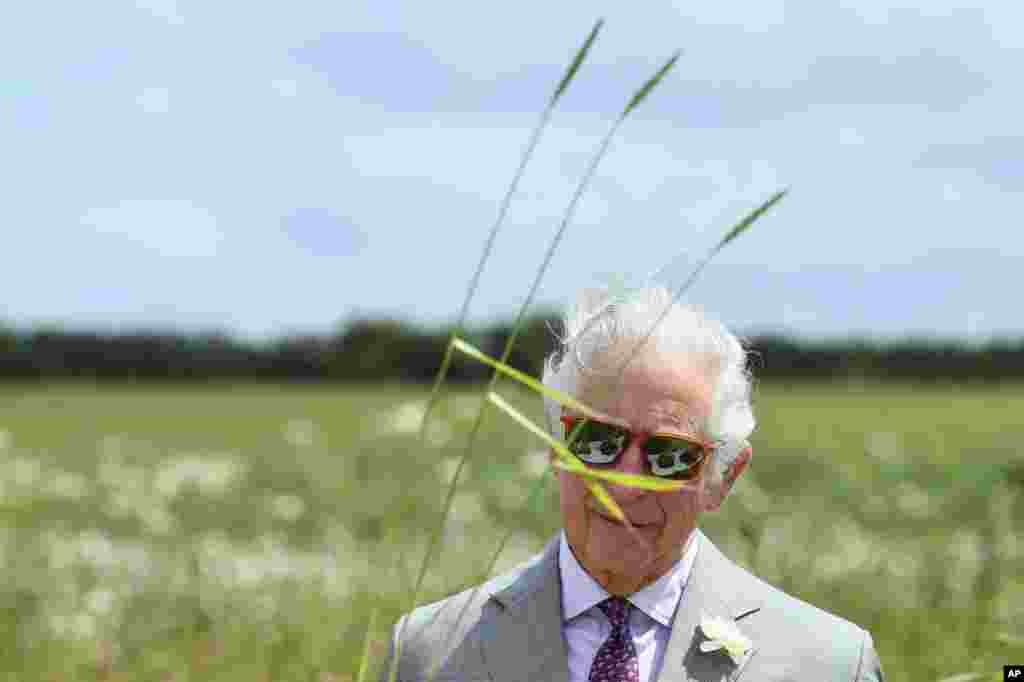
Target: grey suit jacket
(509, 629)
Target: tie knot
(616, 609)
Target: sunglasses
(673, 456)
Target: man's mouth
(635, 524)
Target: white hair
(601, 325)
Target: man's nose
(632, 461)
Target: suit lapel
(522, 634)
(714, 589)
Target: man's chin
(628, 566)
(618, 546)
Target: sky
(277, 168)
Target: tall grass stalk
(506, 201)
(634, 101)
(442, 373)
(364, 665)
(738, 229)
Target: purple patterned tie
(616, 660)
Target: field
(247, 532)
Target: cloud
(997, 159)
(170, 228)
(154, 100)
(286, 87)
(167, 10)
(406, 74)
(322, 233)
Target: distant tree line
(377, 350)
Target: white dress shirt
(585, 627)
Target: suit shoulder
(804, 632)
(803, 615)
(441, 632)
(462, 610)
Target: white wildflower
(301, 433)
(407, 417)
(466, 506)
(534, 463)
(465, 407)
(158, 520)
(914, 501)
(903, 562)
(96, 548)
(966, 553)
(212, 475)
(68, 485)
(80, 625)
(288, 507)
(851, 550)
(438, 433)
(25, 472)
(446, 468)
(100, 601)
(885, 445)
(111, 445)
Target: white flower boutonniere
(723, 633)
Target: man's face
(653, 395)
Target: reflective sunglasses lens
(597, 443)
(673, 457)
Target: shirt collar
(658, 600)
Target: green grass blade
(523, 378)
(742, 226)
(506, 201)
(570, 211)
(602, 150)
(474, 282)
(364, 663)
(645, 90)
(442, 374)
(750, 219)
(619, 478)
(606, 500)
(581, 54)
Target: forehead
(654, 392)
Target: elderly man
(654, 600)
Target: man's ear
(722, 489)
